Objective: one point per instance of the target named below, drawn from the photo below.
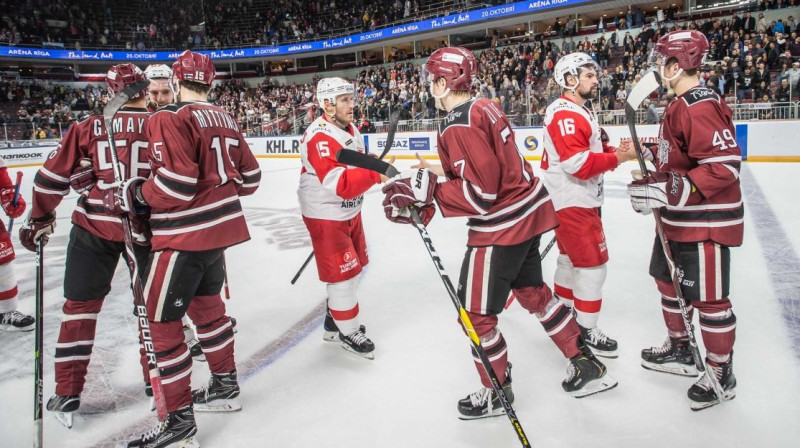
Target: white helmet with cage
(330, 88)
(571, 64)
(158, 71)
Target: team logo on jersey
(350, 262)
(531, 143)
(663, 149)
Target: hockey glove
(7, 201)
(37, 228)
(403, 215)
(126, 198)
(659, 190)
(140, 229)
(83, 178)
(410, 188)
(648, 151)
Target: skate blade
(13, 329)
(672, 368)
(605, 353)
(595, 387)
(65, 418)
(189, 442)
(700, 405)
(495, 413)
(369, 355)
(229, 405)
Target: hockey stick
(225, 277)
(114, 104)
(360, 160)
(649, 83)
(541, 258)
(393, 120)
(38, 351)
(15, 201)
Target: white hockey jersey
(575, 157)
(328, 189)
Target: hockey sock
(494, 345)
(214, 331)
(560, 326)
(588, 290)
(718, 327)
(75, 343)
(343, 305)
(672, 310)
(8, 286)
(174, 363)
(563, 280)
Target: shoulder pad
(698, 94)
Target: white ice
(298, 391)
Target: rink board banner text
(766, 141)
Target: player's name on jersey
(133, 124)
(207, 118)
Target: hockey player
(10, 318)
(160, 91)
(96, 239)
(160, 94)
(508, 209)
(193, 196)
(330, 196)
(575, 158)
(696, 188)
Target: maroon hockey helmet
(456, 65)
(688, 47)
(194, 67)
(122, 75)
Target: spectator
(651, 116)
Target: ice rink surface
(298, 391)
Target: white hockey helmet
(158, 71)
(330, 88)
(571, 65)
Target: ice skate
(485, 402)
(331, 331)
(586, 375)
(599, 342)
(219, 395)
(63, 407)
(358, 343)
(674, 357)
(176, 431)
(16, 321)
(702, 393)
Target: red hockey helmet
(688, 47)
(122, 75)
(456, 65)
(194, 67)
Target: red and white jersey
(201, 164)
(328, 189)
(488, 179)
(87, 139)
(697, 138)
(574, 158)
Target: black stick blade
(360, 160)
(122, 97)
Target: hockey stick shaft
(389, 142)
(473, 335)
(225, 277)
(632, 104)
(15, 201)
(38, 386)
(138, 291)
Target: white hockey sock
(343, 305)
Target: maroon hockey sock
(174, 363)
(75, 342)
(493, 343)
(214, 331)
(718, 327)
(672, 310)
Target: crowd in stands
(750, 60)
(181, 24)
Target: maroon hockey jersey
(87, 140)
(488, 179)
(201, 163)
(697, 138)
